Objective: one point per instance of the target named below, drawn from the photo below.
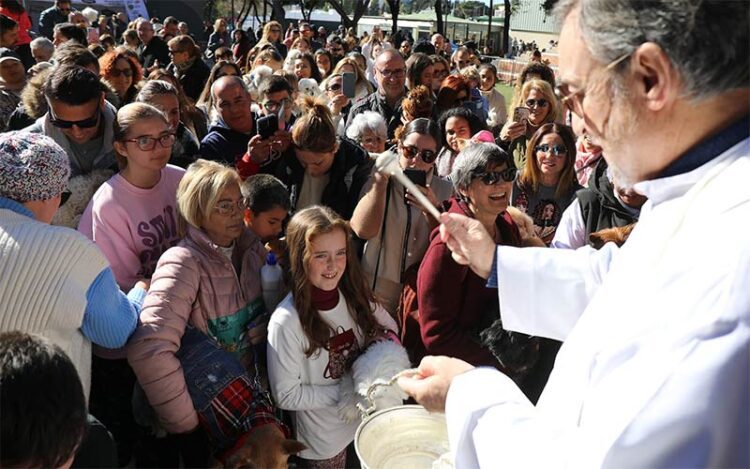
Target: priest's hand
(468, 241)
(430, 385)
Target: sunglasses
(536, 102)
(495, 177)
(82, 124)
(334, 87)
(556, 150)
(428, 156)
(116, 72)
(146, 143)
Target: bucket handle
(367, 411)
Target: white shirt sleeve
(544, 291)
(571, 232)
(286, 353)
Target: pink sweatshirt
(133, 226)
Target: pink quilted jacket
(193, 283)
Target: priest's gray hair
(708, 41)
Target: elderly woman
(121, 69)
(394, 224)
(547, 184)
(536, 96)
(188, 66)
(369, 130)
(457, 312)
(209, 281)
(453, 300)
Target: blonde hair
(314, 129)
(304, 226)
(184, 43)
(470, 73)
(547, 93)
(199, 190)
(361, 78)
(129, 115)
(267, 30)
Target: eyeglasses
(274, 105)
(82, 124)
(147, 143)
(275, 30)
(536, 102)
(116, 72)
(174, 52)
(228, 207)
(398, 73)
(573, 100)
(491, 178)
(334, 87)
(428, 156)
(557, 150)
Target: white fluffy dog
(378, 364)
(309, 87)
(82, 188)
(255, 79)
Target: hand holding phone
(267, 126)
(521, 114)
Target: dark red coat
(453, 299)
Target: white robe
(654, 370)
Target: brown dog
(264, 447)
(616, 235)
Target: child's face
(487, 79)
(266, 225)
(327, 260)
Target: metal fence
(509, 69)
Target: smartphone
(268, 125)
(416, 176)
(521, 114)
(348, 82)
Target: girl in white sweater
(318, 330)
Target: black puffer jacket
(599, 206)
(351, 169)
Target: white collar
(665, 189)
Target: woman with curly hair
(123, 72)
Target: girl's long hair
(304, 226)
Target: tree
(359, 8)
(511, 6)
(394, 6)
(439, 16)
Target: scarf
(585, 162)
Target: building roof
(530, 16)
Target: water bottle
(271, 282)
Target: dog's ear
(292, 446)
(243, 457)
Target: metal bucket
(402, 437)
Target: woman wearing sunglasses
(133, 219)
(394, 224)
(547, 184)
(455, 304)
(120, 68)
(538, 97)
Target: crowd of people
(146, 182)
